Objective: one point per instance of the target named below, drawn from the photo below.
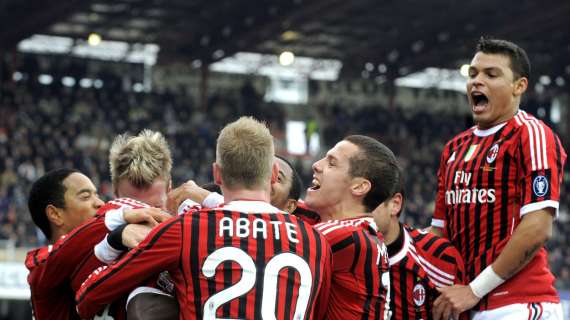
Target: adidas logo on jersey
(452, 158)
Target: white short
(522, 311)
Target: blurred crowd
(43, 127)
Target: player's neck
(393, 232)
(341, 211)
(244, 194)
(56, 233)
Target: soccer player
(419, 261)
(498, 193)
(285, 191)
(348, 183)
(57, 271)
(245, 259)
(61, 200)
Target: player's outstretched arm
(67, 253)
(158, 252)
(527, 239)
(529, 236)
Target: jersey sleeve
(542, 159)
(158, 252)
(441, 260)
(454, 264)
(439, 217)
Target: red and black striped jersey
(487, 181)
(306, 213)
(57, 271)
(420, 262)
(245, 259)
(360, 281)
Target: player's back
(248, 260)
(57, 271)
(360, 280)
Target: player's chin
(479, 114)
(311, 197)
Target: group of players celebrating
(246, 246)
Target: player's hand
(452, 301)
(133, 234)
(189, 190)
(148, 216)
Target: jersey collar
(487, 132)
(251, 206)
(399, 248)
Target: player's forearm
(159, 251)
(527, 239)
(67, 253)
(107, 284)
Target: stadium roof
(396, 37)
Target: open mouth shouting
(315, 185)
(480, 101)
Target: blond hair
(244, 152)
(140, 159)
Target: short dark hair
(296, 182)
(48, 189)
(520, 64)
(212, 187)
(377, 163)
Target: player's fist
(452, 301)
(188, 190)
(148, 216)
(133, 234)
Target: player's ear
(54, 215)
(360, 186)
(274, 172)
(217, 174)
(395, 204)
(520, 86)
(291, 205)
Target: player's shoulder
(461, 136)
(36, 256)
(305, 213)
(527, 124)
(340, 230)
(435, 255)
(432, 246)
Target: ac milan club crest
(419, 294)
(492, 154)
